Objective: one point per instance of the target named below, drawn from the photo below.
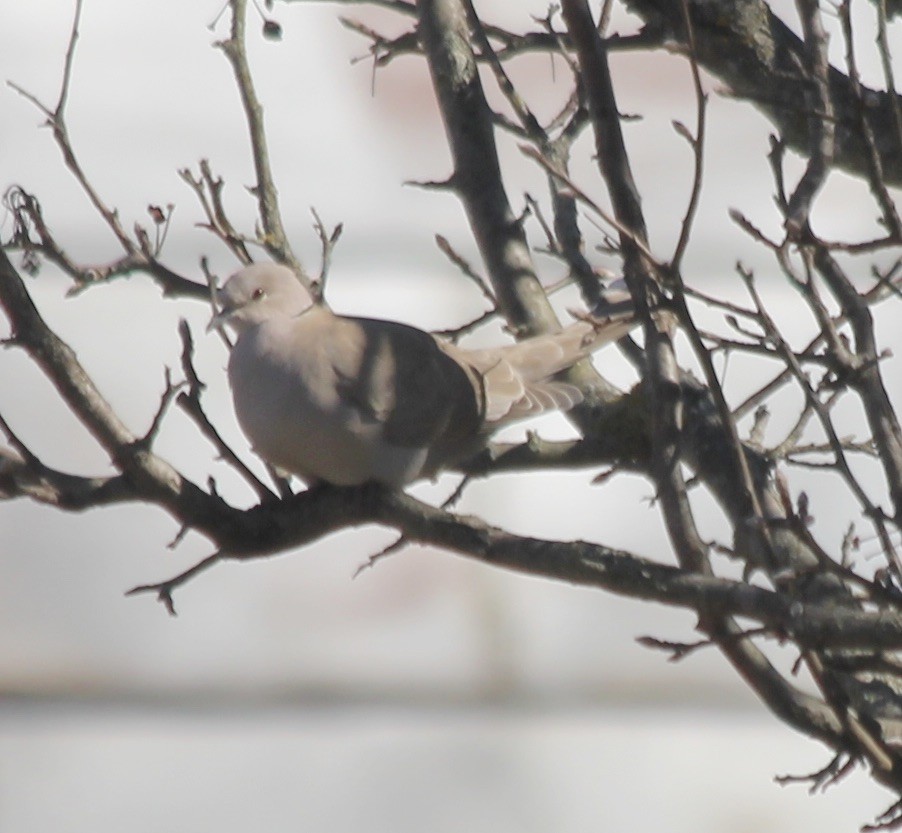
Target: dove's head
(260, 292)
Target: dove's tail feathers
(515, 380)
(504, 406)
(540, 397)
(538, 358)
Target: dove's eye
(258, 293)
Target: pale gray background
(430, 693)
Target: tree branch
(757, 55)
(444, 32)
(152, 477)
(274, 237)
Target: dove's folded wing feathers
(398, 376)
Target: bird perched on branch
(351, 400)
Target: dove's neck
(309, 311)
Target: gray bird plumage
(351, 400)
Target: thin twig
(873, 162)
(328, 240)
(840, 765)
(696, 141)
(583, 197)
(466, 269)
(190, 403)
(165, 589)
(169, 393)
(275, 239)
(680, 650)
(397, 545)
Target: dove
(346, 401)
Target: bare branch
(158, 481)
(56, 121)
(466, 269)
(821, 127)
(328, 241)
(190, 403)
(169, 393)
(821, 597)
(757, 56)
(696, 142)
(208, 189)
(873, 161)
(32, 235)
(165, 589)
(275, 239)
(840, 765)
(444, 30)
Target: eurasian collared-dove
(350, 400)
